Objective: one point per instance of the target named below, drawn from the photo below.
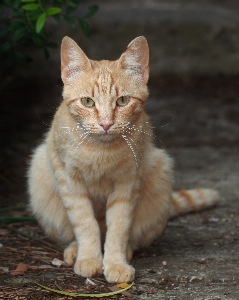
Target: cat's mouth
(107, 136)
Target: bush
(22, 23)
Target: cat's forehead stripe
(105, 81)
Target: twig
(46, 244)
(13, 208)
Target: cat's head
(105, 97)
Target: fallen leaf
(101, 295)
(5, 269)
(20, 270)
(57, 262)
(122, 285)
(119, 287)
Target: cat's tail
(185, 201)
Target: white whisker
(131, 148)
(86, 134)
(140, 153)
(169, 122)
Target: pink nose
(105, 125)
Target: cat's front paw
(88, 267)
(117, 273)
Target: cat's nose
(106, 125)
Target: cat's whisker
(86, 134)
(142, 131)
(170, 121)
(131, 148)
(66, 132)
(49, 125)
(140, 153)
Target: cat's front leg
(81, 215)
(119, 216)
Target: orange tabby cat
(98, 178)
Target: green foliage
(22, 23)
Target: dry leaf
(57, 262)
(117, 288)
(122, 285)
(5, 269)
(101, 295)
(20, 270)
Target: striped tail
(185, 201)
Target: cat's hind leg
(45, 201)
(153, 208)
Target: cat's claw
(88, 267)
(118, 273)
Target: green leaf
(58, 2)
(40, 22)
(19, 33)
(33, 6)
(71, 3)
(16, 4)
(15, 25)
(92, 10)
(18, 14)
(53, 11)
(8, 2)
(33, 15)
(70, 9)
(5, 47)
(3, 33)
(28, 1)
(85, 27)
(70, 21)
(37, 39)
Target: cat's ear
(73, 60)
(135, 60)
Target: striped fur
(185, 201)
(97, 178)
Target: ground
(197, 121)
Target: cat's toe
(88, 267)
(70, 253)
(118, 273)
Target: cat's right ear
(73, 60)
(135, 60)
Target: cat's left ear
(73, 60)
(135, 60)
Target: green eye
(122, 101)
(87, 102)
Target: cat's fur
(98, 178)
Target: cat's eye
(122, 101)
(87, 102)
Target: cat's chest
(97, 162)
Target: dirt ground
(197, 121)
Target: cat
(97, 178)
